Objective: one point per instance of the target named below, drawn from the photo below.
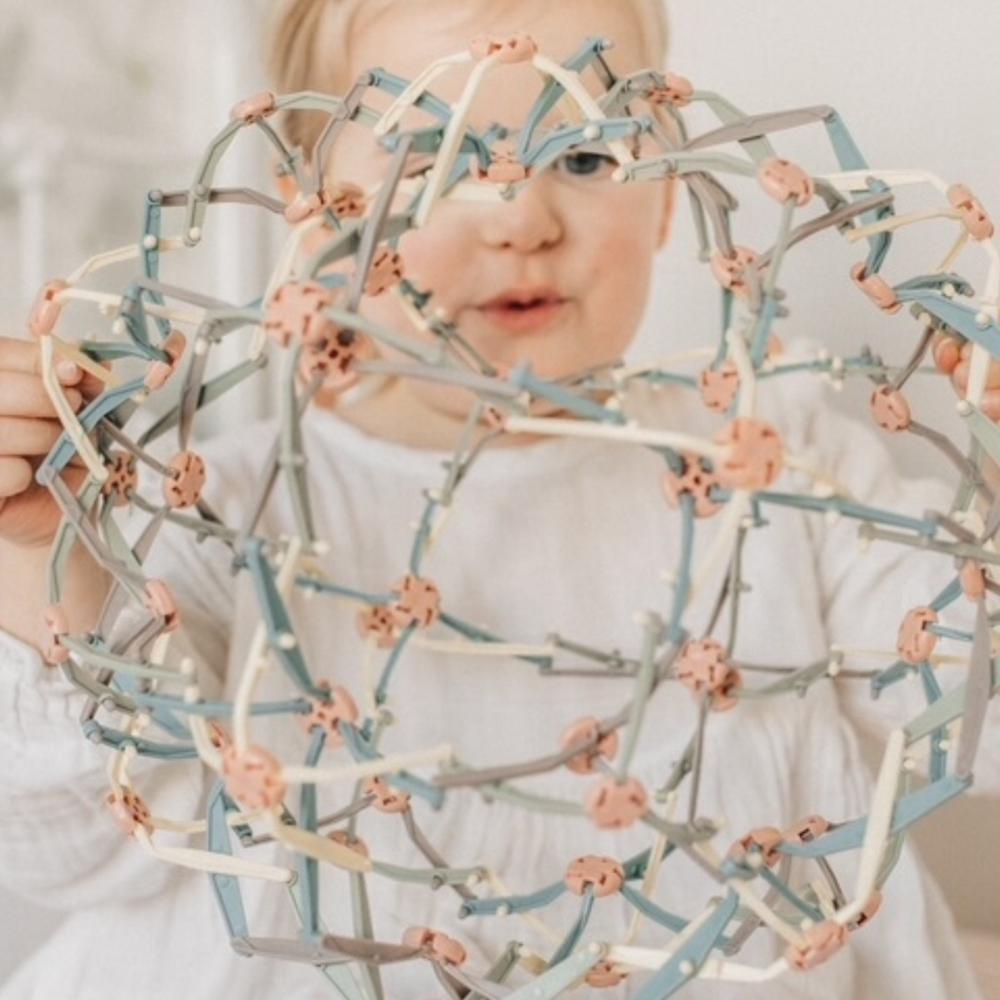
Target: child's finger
(993, 376)
(946, 351)
(25, 357)
(16, 475)
(960, 375)
(953, 357)
(68, 373)
(20, 354)
(90, 386)
(22, 436)
(991, 404)
(24, 395)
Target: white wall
(129, 94)
(914, 83)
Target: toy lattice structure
(141, 703)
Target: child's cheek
(621, 237)
(433, 256)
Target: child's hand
(29, 516)
(951, 356)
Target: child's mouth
(525, 310)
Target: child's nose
(529, 222)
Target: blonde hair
(308, 47)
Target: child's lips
(524, 310)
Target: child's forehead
(405, 36)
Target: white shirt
(565, 536)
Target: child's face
(557, 277)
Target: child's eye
(582, 163)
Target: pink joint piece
(754, 457)
(604, 876)
(821, 942)
(254, 109)
(45, 310)
(386, 271)
(876, 288)
(506, 170)
(504, 166)
(355, 844)
(763, 841)
(695, 481)
(703, 667)
(158, 373)
(161, 602)
(253, 778)
(973, 580)
(807, 829)
(387, 799)
(334, 359)
(56, 624)
(123, 477)
(184, 487)
(129, 811)
(676, 90)
(296, 311)
(347, 200)
(174, 345)
(613, 806)
(511, 49)
(305, 206)
(604, 974)
(871, 907)
(419, 602)
(588, 728)
(378, 621)
(974, 217)
(890, 409)
(914, 643)
(719, 386)
(439, 947)
(729, 271)
(328, 715)
(782, 179)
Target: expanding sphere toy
(344, 244)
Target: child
(546, 534)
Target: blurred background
(104, 99)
